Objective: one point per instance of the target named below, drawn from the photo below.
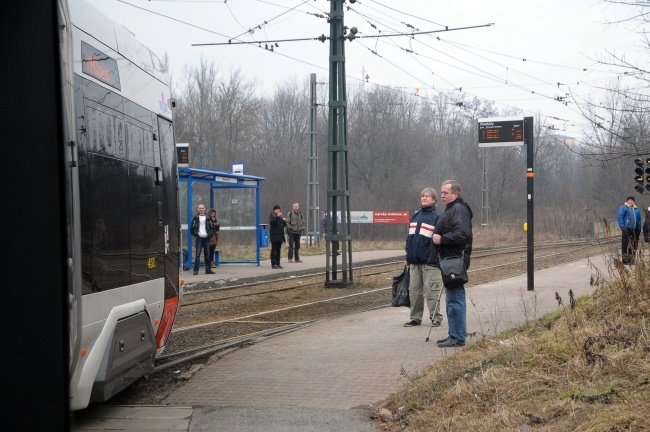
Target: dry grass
(584, 367)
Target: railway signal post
(642, 175)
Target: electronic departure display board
(182, 154)
(496, 132)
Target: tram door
(158, 232)
(167, 186)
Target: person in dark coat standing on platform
(277, 222)
(202, 229)
(629, 221)
(323, 228)
(214, 240)
(295, 228)
(323, 224)
(453, 238)
(646, 226)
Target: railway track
(302, 281)
(231, 317)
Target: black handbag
(454, 273)
(401, 289)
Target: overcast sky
(517, 62)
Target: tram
(123, 215)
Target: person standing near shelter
(423, 277)
(202, 229)
(323, 224)
(277, 222)
(323, 227)
(453, 238)
(214, 239)
(646, 226)
(629, 220)
(295, 228)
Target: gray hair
(455, 186)
(431, 192)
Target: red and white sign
(381, 217)
(391, 217)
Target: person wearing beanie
(629, 220)
(277, 222)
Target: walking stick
(432, 314)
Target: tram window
(103, 96)
(134, 142)
(139, 143)
(120, 146)
(147, 156)
(105, 133)
(136, 112)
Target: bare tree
(196, 114)
(237, 112)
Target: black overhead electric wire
(493, 77)
(509, 83)
(407, 14)
(496, 78)
(322, 38)
(266, 22)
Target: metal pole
(313, 195)
(530, 175)
(338, 194)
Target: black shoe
(412, 323)
(195, 272)
(439, 341)
(279, 266)
(451, 343)
(209, 272)
(275, 267)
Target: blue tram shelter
(236, 198)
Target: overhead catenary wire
(323, 38)
(398, 19)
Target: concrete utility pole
(338, 194)
(313, 216)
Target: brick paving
(360, 359)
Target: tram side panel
(129, 223)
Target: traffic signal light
(642, 175)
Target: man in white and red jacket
(423, 277)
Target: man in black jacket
(453, 238)
(202, 229)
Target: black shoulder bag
(454, 273)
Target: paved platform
(327, 377)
